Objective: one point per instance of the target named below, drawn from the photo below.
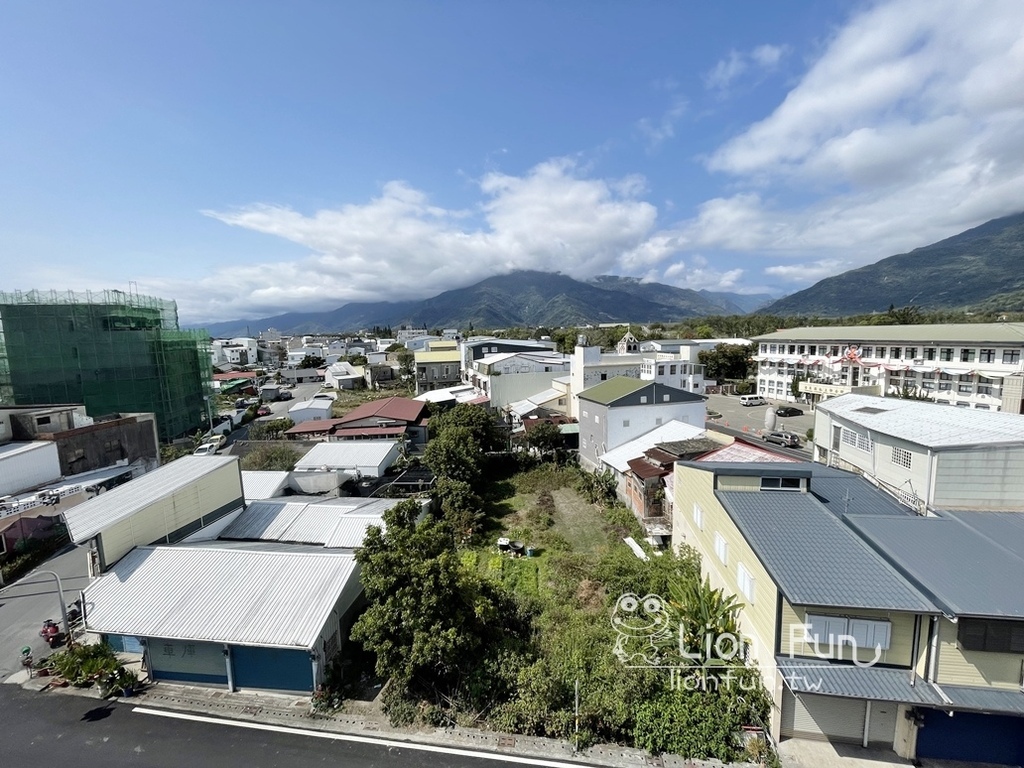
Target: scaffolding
(115, 352)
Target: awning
(810, 675)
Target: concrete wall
(24, 466)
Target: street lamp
(63, 607)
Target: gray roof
(966, 573)
(813, 557)
(928, 424)
(753, 468)
(244, 597)
(809, 675)
(347, 454)
(320, 522)
(973, 333)
(984, 699)
(1003, 528)
(263, 484)
(91, 517)
(844, 492)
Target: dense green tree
(726, 361)
(270, 457)
(460, 507)
(546, 438)
(481, 426)
(312, 361)
(454, 454)
(272, 429)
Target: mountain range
(979, 269)
(520, 299)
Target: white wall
(643, 418)
(980, 479)
(26, 465)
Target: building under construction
(115, 352)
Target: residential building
(478, 347)
(343, 375)
(407, 418)
(114, 352)
(618, 410)
(437, 367)
(975, 365)
(863, 628)
(508, 377)
(929, 456)
(240, 351)
(405, 334)
(360, 458)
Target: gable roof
(671, 431)
(611, 391)
(328, 523)
(814, 557)
(347, 454)
(94, 516)
(396, 408)
(927, 424)
(967, 573)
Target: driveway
(27, 603)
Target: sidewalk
(294, 712)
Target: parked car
(787, 410)
(206, 449)
(785, 439)
(264, 410)
(285, 396)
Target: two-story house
(620, 409)
(856, 612)
(437, 366)
(927, 455)
(509, 377)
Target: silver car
(785, 439)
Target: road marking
(390, 743)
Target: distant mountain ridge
(980, 267)
(519, 299)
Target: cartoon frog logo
(642, 623)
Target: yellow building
(865, 623)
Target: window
(987, 356)
(604, 377)
(910, 353)
(745, 581)
(867, 351)
(965, 389)
(928, 375)
(657, 421)
(625, 422)
(946, 376)
(812, 349)
(894, 352)
(1011, 356)
(946, 354)
(773, 348)
(672, 370)
(764, 349)
(991, 635)
(966, 355)
(870, 634)
(721, 548)
(857, 440)
(698, 516)
(929, 353)
(945, 386)
(597, 418)
(584, 414)
(643, 399)
(661, 370)
(665, 398)
(825, 631)
(780, 483)
(901, 457)
(42, 420)
(834, 351)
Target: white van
(752, 400)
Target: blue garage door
(272, 668)
(972, 736)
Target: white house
(317, 409)
(342, 375)
(509, 377)
(238, 351)
(929, 456)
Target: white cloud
(400, 245)
(697, 273)
(809, 272)
(763, 58)
(656, 132)
(906, 130)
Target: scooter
(51, 633)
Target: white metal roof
(258, 484)
(347, 454)
(928, 424)
(316, 404)
(331, 523)
(15, 448)
(89, 518)
(666, 433)
(228, 595)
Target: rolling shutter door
(882, 730)
(809, 716)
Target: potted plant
(127, 682)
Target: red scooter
(51, 633)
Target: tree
(482, 427)
(270, 430)
(271, 458)
(312, 361)
(545, 438)
(460, 507)
(726, 361)
(454, 454)
(406, 361)
(428, 616)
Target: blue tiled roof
(850, 681)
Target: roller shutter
(971, 736)
(831, 718)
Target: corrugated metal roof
(985, 699)
(316, 404)
(397, 408)
(929, 424)
(967, 573)
(666, 433)
(744, 453)
(89, 518)
(227, 595)
(325, 523)
(813, 557)
(849, 681)
(14, 448)
(347, 454)
(1003, 528)
(439, 356)
(845, 492)
(1006, 333)
(262, 484)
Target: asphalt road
(749, 420)
(54, 728)
(25, 604)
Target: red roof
(645, 470)
(318, 425)
(395, 408)
(235, 375)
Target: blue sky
(246, 158)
